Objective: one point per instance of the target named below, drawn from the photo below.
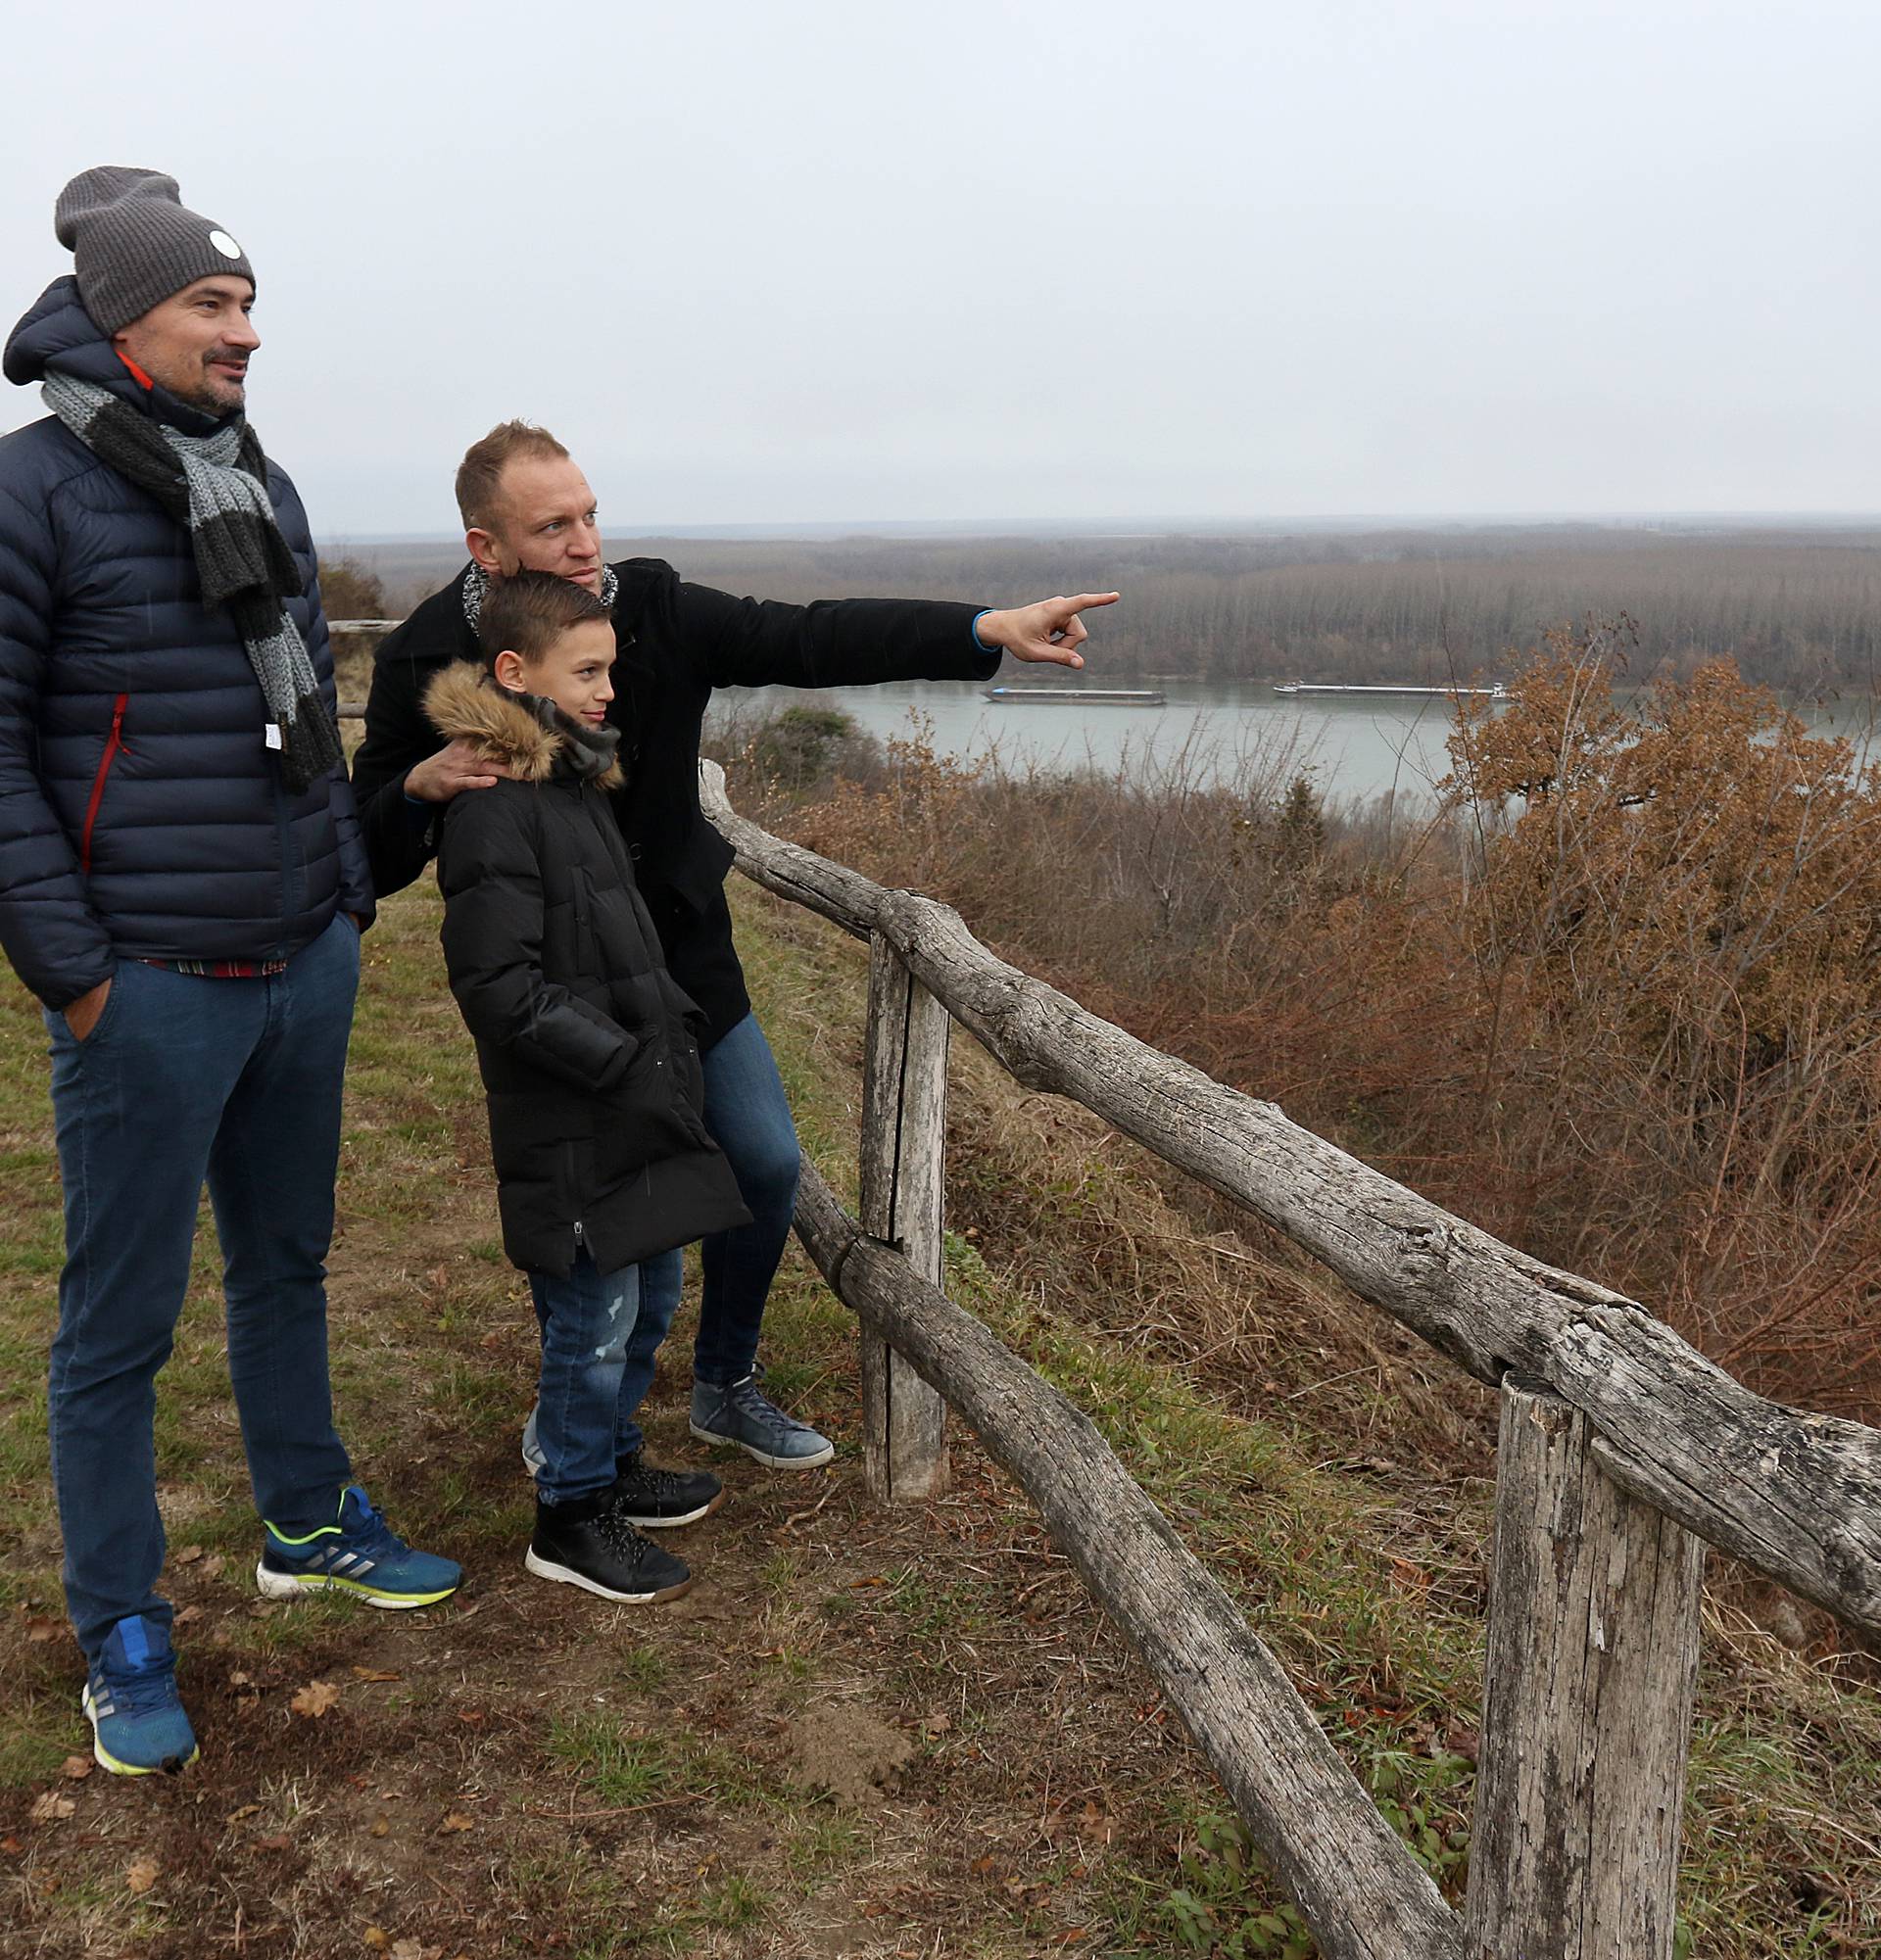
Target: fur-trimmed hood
(463, 703)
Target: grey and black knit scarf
(215, 486)
(476, 588)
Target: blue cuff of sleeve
(415, 804)
(974, 629)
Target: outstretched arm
(749, 642)
(1048, 631)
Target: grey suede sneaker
(738, 1411)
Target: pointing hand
(1048, 631)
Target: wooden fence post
(1587, 1703)
(904, 1113)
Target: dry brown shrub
(1675, 940)
(1619, 1005)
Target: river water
(1356, 750)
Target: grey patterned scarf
(476, 587)
(215, 486)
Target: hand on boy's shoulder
(458, 766)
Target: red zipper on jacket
(113, 747)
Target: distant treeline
(1799, 610)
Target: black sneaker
(655, 1497)
(592, 1544)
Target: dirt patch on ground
(847, 1748)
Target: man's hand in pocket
(81, 1016)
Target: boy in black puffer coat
(589, 1060)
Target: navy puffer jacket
(141, 813)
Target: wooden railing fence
(1621, 1450)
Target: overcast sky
(1075, 259)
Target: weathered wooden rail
(1622, 1448)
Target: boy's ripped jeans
(587, 1321)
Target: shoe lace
(755, 1402)
(370, 1535)
(648, 1477)
(621, 1537)
(144, 1691)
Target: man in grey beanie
(182, 884)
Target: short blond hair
(484, 462)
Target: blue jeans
(588, 1320)
(749, 1118)
(182, 1079)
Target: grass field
(863, 1732)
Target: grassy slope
(861, 1733)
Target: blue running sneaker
(138, 1724)
(358, 1554)
(738, 1412)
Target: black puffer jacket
(583, 1037)
(677, 641)
(140, 812)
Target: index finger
(1086, 599)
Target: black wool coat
(676, 643)
(587, 1046)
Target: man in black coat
(526, 506)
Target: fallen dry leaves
(49, 1806)
(142, 1875)
(75, 1769)
(314, 1699)
(1097, 1824)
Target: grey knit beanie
(133, 242)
